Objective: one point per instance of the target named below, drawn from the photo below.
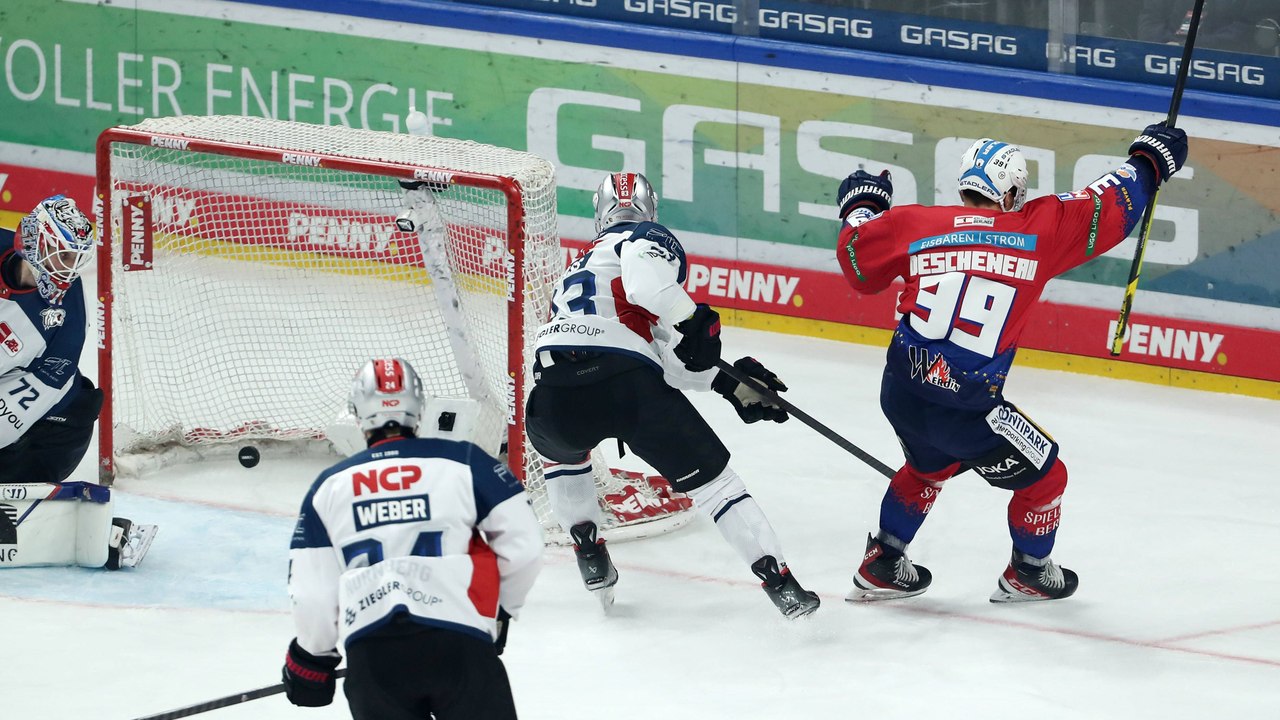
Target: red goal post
(250, 265)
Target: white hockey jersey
(624, 295)
(434, 528)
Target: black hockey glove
(504, 623)
(1164, 146)
(862, 189)
(752, 405)
(308, 679)
(699, 349)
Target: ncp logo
(392, 477)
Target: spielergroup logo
(8, 524)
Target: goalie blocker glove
(1164, 146)
(308, 679)
(751, 404)
(699, 348)
(869, 194)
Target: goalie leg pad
(738, 517)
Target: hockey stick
(805, 418)
(1135, 270)
(227, 701)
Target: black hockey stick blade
(226, 701)
(805, 418)
(1135, 270)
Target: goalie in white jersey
(623, 340)
(412, 556)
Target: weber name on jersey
(624, 295)
(433, 528)
(40, 344)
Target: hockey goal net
(252, 265)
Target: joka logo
(8, 524)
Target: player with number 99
(973, 272)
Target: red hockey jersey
(973, 275)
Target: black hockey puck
(249, 456)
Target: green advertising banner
(746, 158)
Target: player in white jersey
(623, 340)
(412, 556)
(47, 408)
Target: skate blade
(860, 594)
(1009, 595)
(137, 544)
(605, 597)
(802, 610)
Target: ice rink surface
(1171, 518)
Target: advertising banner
(746, 158)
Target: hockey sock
(571, 490)
(1035, 510)
(737, 516)
(907, 502)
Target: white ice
(1170, 518)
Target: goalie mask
(992, 168)
(57, 240)
(387, 392)
(624, 197)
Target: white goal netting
(253, 265)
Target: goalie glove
(751, 404)
(699, 346)
(1164, 146)
(308, 679)
(872, 194)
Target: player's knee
(715, 496)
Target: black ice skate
(783, 589)
(1028, 579)
(598, 573)
(886, 573)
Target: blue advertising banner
(939, 38)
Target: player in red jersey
(973, 273)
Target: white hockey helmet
(992, 168)
(58, 240)
(624, 197)
(387, 391)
